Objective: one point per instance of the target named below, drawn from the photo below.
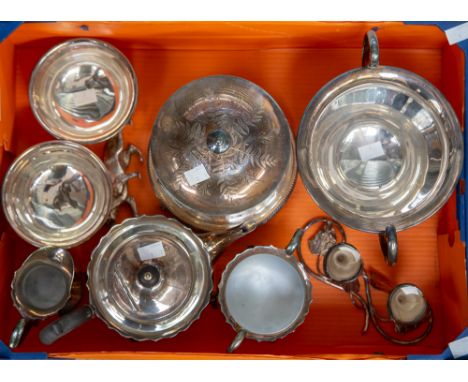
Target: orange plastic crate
(291, 61)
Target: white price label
(84, 97)
(196, 175)
(459, 348)
(371, 151)
(151, 251)
(457, 34)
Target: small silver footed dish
(57, 193)
(83, 90)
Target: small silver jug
(41, 287)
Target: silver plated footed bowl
(83, 90)
(379, 148)
(57, 193)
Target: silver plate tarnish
(42, 285)
(57, 193)
(149, 278)
(265, 293)
(379, 146)
(222, 154)
(83, 90)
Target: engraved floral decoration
(247, 154)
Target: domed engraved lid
(149, 278)
(83, 90)
(222, 154)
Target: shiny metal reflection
(57, 193)
(149, 278)
(264, 294)
(407, 305)
(83, 90)
(221, 154)
(342, 263)
(379, 148)
(41, 287)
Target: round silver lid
(222, 154)
(407, 305)
(57, 193)
(149, 278)
(342, 262)
(379, 146)
(83, 90)
(265, 293)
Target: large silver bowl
(379, 148)
(222, 154)
(83, 90)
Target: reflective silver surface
(264, 293)
(342, 268)
(342, 262)
(149, 278)
(83, 90)
(407, 305)
(57, 193)
(42, 285)
(379, 146)
(221, 154)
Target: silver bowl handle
(389, 245)
(65, 324)
(370, 50)
(236, 342)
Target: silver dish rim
(399, 77)
(56, 132)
